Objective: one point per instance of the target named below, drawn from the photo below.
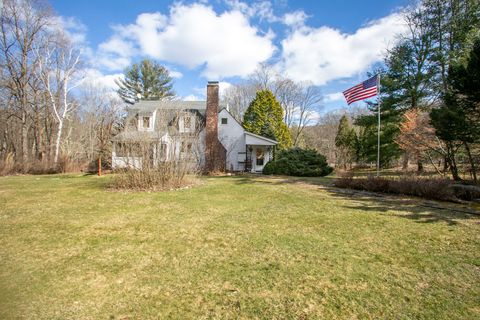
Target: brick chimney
(214, 151)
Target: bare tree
(58, 67)
(22, 23)
(238, 97)
(299, 100)
(288, 94)
(101, 114)
(308, 104)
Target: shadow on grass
(281, 180)
(406, 207)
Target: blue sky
(331, 44)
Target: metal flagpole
(378, 129)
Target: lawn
(231, 248)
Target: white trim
(261, 137)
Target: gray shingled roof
(152, 105)
(138, 136)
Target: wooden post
(99, 166)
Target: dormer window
(146, 122)
(187, 122)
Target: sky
(331, 44)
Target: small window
(186, 147)
(163, 151)
(187, 122)
(121, 150)
(224, 120)
(146, 122)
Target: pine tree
(147, 80)
(264, 116)
(457, 121)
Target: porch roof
(255, 139)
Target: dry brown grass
(428, 188)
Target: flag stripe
(363, 97)
(364, 90)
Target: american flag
(364, 90)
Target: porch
(258, 152)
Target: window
(224, 120)
(121, 149)
(163, 151)
(187, 122)
(186, 146)
(146, 122)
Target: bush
(162, 177)
(65, 164)
(298, 162)
(435, 189)
(7, 166)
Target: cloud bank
(324, 54)
(192, 36)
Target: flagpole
(378, 129)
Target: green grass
(230, 248)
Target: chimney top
(212, 83)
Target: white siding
(126, 162)
(232, 137)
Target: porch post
(246, 158)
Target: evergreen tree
(457, 121)
(264, 116)
(147, 80)
(391, 117)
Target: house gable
(255, 139)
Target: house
(201, 134)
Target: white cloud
(324, 54)
(193, 36)
(73, 29)
(201, 92)
(96, 78)
(314, 117)
(261, 9)
(223, 86)
(115, 53)
(192, 97)
(175, 74)
(295, 19)
(337, 96)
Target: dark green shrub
(298, 162)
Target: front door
(259, 159)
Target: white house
(200, 132)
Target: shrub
(165, 176)
(435, 189)
(298, 162)
(7, 165)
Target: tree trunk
(419, 163)
(24, 139)
(419, 166)
(100, 165)
(405, 161)
(57, 142)
(452, 163)
(472, 162)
